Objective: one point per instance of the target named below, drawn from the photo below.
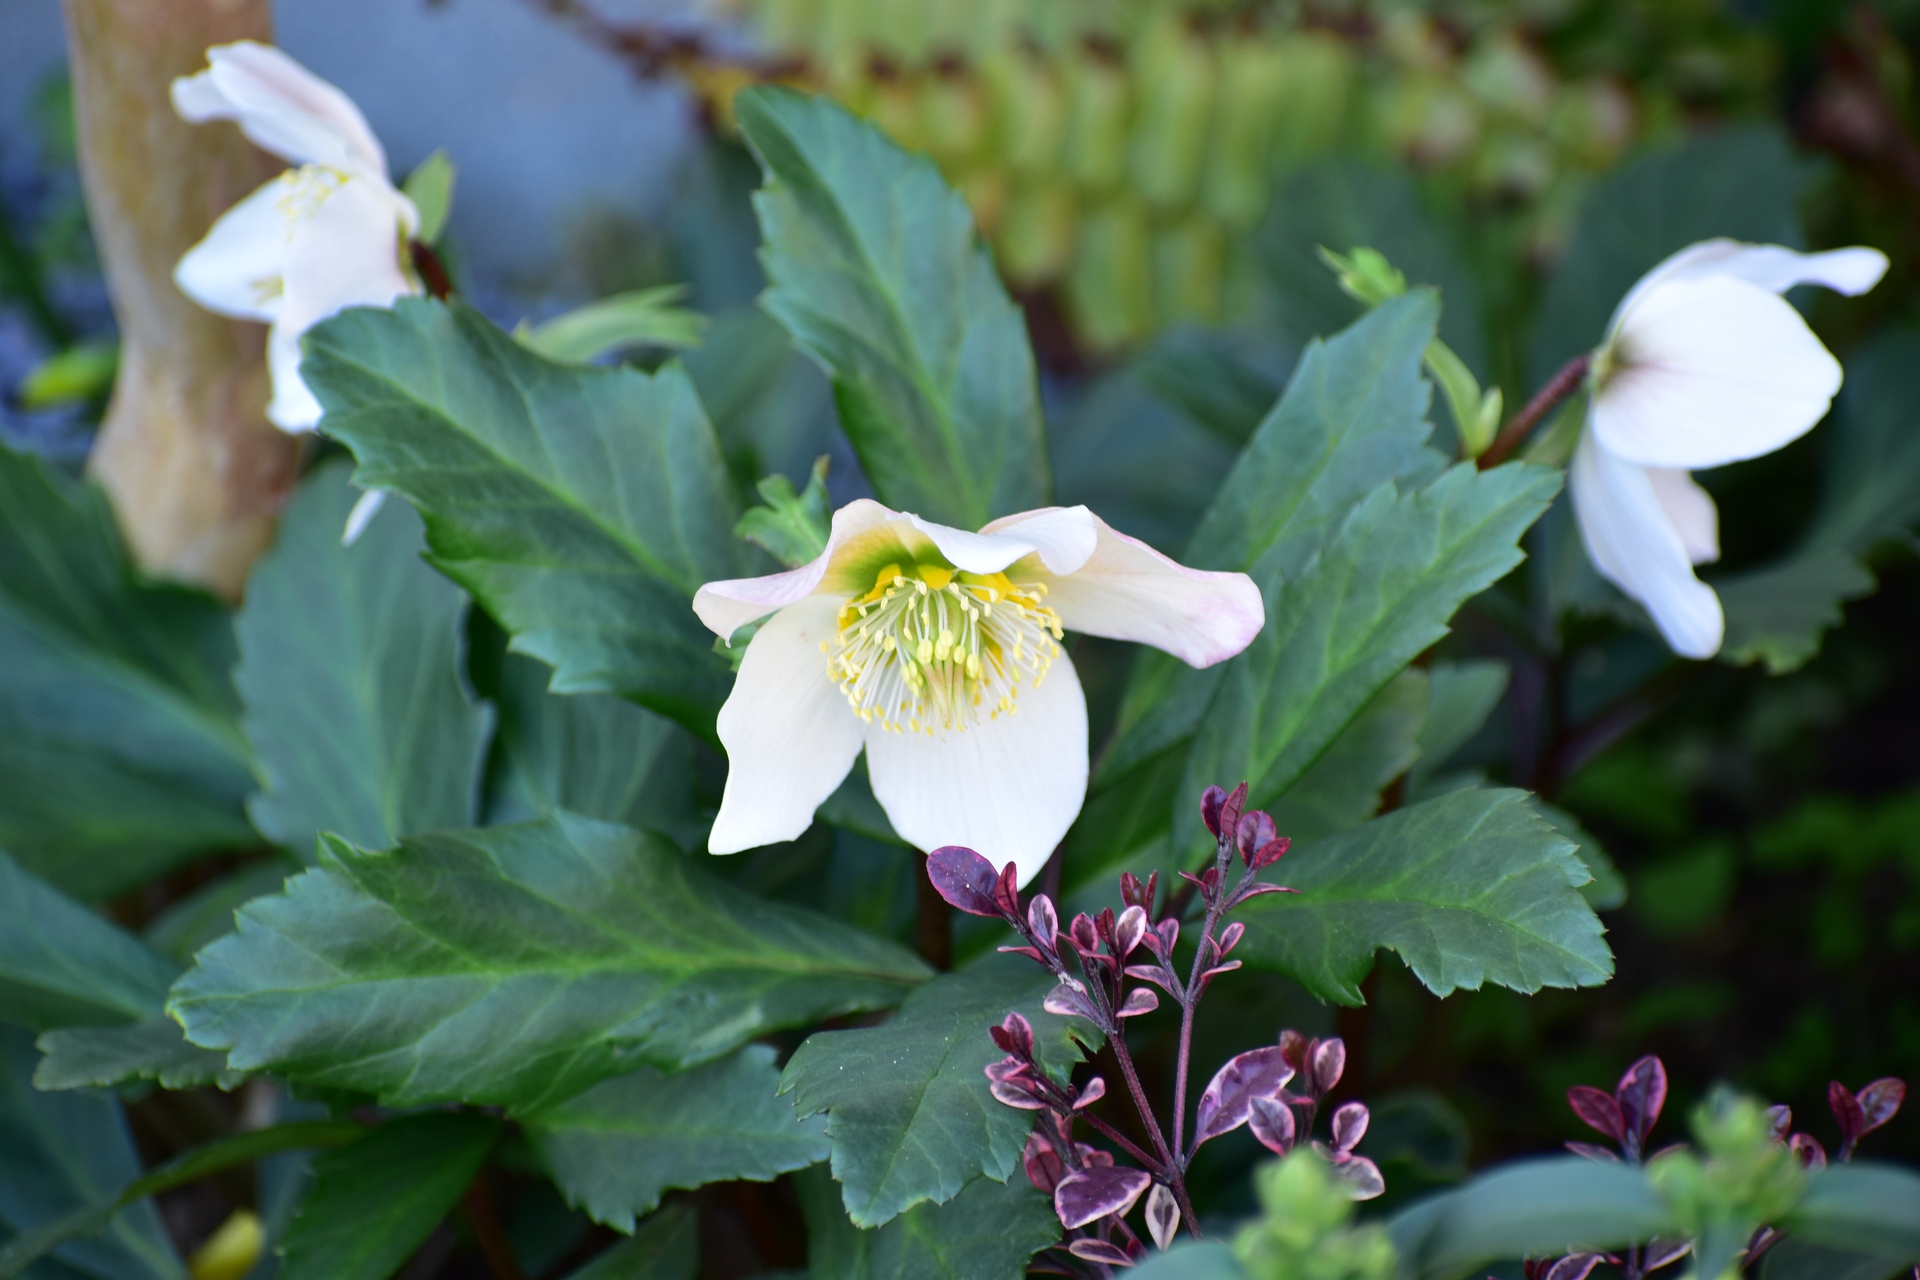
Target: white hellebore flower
(1704, 364)
(329, 234)
(939, 651)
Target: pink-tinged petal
(1069, 1003)
(1042, 1163)
(1224, 1103)
(1711, 371)
(1326, 1064)
(1661, 1253)
(1880, 1101)
(1140, 1000)
(731, 603)
(789, 733)
(1129, 591)
(1807, 1149)
(1587, 1150)
(236, 269)
(1361, 1176)
(1577, 1266)
(1691, 510)
(1009, 786)
(1092, 1194)
(1271, 1121)
(345, 252)
(1090, 1093)
(1063, 538)
(1779, 1121)
(1642, 1092)
(1632, 542)
(1163, 1216)
(1129, 930)
(1349, 1126)
(281, 106)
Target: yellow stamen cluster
(930, 648)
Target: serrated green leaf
(1531, 1208)
(1777, 614)
(583, 507)
(1608, 888)
(876, 271)
(63, 965)
(908, 1110)
(1207, 375)
(153, 1049)
(1470, 888)
(791, 527)
(375, 1200)
(1342, 788)
(191, 922)
(352, 671)
(518, 965)
(613, 1149)
(122, 754)
(1353, 418)
(1382, 591)
(666, 1247)
(63, 1152)
(591, 754)
(640, 318)
(1739, 182)
(987, 1232)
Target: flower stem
(1558, 388)
(933, 925)
(1176, 1176)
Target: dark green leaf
(1342, 788)
(352, 662)
(122, 753)
(592, 754)
(1796, 1259)
(63, 1152)
(376, 1199)
(583, 507)
(770, 406)
(1464, 695)
(616, 1147)
(875, 270)
(986, 1232)
(1342, 205)
(909, 1113)
(518, 965)
(153, 1049)
(430, 187)
(666, 1247)
(792, 527)
(1738, 182)
(1352, 419)
(1867, 1208)
(1382, 591)
(1531, 1208)
(1608, 888)
(1214, 380)
(193, 921)
(62, 965)
(1777, 614)
(1191, 1260)
(1469, 888)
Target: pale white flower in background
(938, 651)
(329, 234)
(1704, 364)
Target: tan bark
(196, 473)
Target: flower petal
(1063, 538)
(1773, 267)
(1129, 591)
(344, 251)
(789, 733)
(235, 269)
(1692, 511)
(732, 603)
(281, 106)
(1709, 372)
(1634, 544)
(1009, 786)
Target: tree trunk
(196, 473)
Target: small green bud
(1365, 275)
(1304, 1232)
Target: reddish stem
(1558, 388)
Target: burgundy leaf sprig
(1628, 1115)
(1107, 968)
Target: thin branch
(492, 1237)
(1521, 425)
